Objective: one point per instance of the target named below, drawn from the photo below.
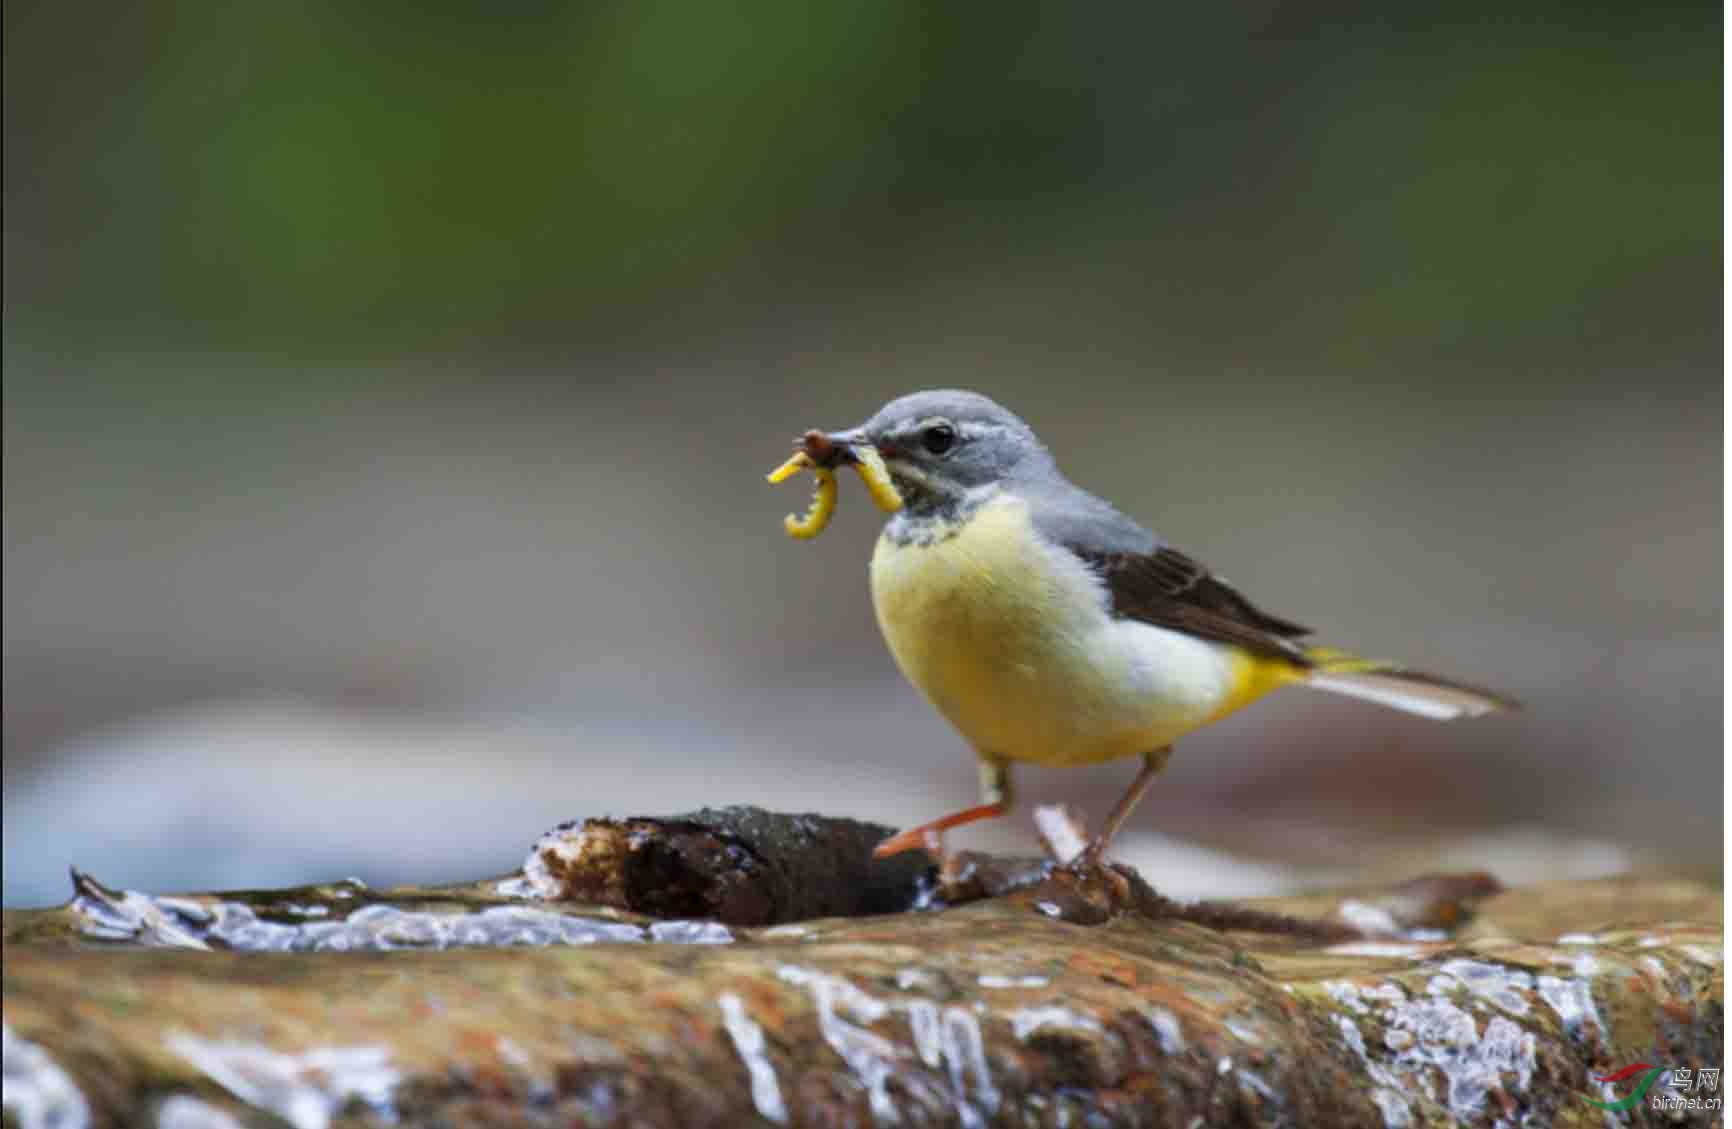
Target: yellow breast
(1011, 640)
(1006, 637)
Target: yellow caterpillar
(865, 462)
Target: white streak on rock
(1168, 1031)
(993, 980)
(1346, 993)
(923, 1024)
(1497, 985)
(965, 1050)
(1573, 1000)
(843, 1012)
(1371, 920)
(183, 1111)
(1026, 1021)
(36, 1091)
(748, 1040)
(304, 1089)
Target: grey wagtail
(1049, 628)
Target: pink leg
(995, 802)
(1152, 764)
(930, 835)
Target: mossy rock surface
(495, 1008)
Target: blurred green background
(388, 390)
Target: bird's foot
(1090, 865)
(1091, 857)
(1066, 839)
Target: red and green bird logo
(1648, 1074)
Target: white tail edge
(1411, 693)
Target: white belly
(1011, 641)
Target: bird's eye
(939, 438)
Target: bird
(1048, 628)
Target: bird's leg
(995, 800)
(1153, 762)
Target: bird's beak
(833, 448)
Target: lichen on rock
(1460, 1004)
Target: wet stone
(179, 923)
(1019, 993)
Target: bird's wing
(1169, 589)
(1156, 583)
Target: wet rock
(738, 865)
(1119, 1008)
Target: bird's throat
(928, 517)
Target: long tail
(1389, 684)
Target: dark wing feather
(1168, 589)
(1150, 581)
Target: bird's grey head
(948, 449)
